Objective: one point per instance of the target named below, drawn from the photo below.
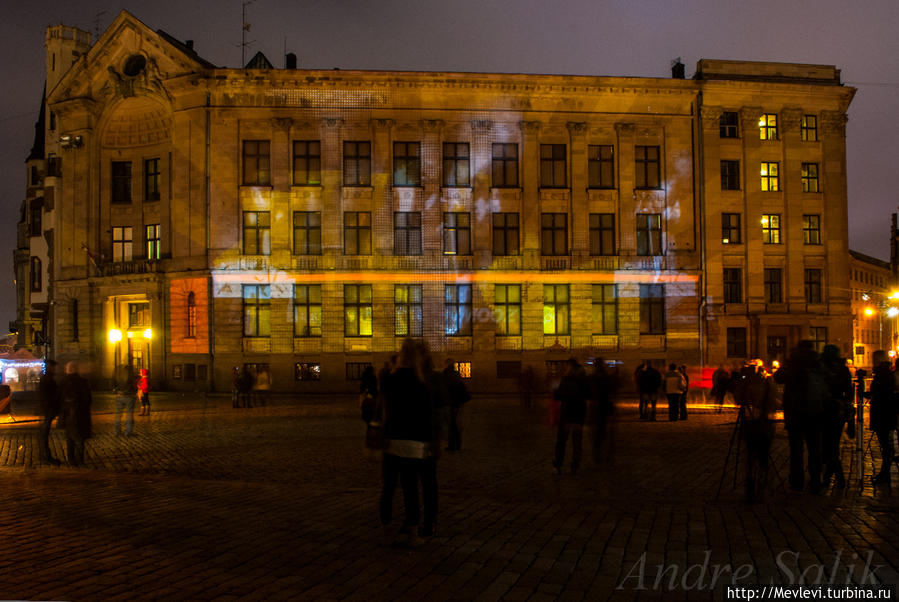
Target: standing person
(637, 374)
(143, 392)
(720, 385)
(573, 392)
(244, 388)
(682, 403)
(648, 383)
(526, 386)
(368, 394)
(49, 392)
(75, 395)
(235, 387)
(883, 412)
(839, 411)
(458, 397)
(603, 389)
(126, 391)
(757, 396)
(409, 435)
(674, 388)
(805, 396)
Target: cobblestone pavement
(280, 502)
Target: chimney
(677, 69)
(290, 61)
(189, 44)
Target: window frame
(605, 306)
(257, 235)
(728, 228)
(601, 166)
(457, 310)
(553, 166)
(773, 286)
(732, 279)
(153, 241)
(256, 162)
(152, 179)
(730, 174)
(358, 233)
(814, 286)
(456, 233)
(647, 168)
(256, 310)
(736, 341)
(191, 307)
(307, 310)
(811, 229)
(556, 310)
(406, 164)
(602, 235)
(309, 158)
(771, 229)
(507, 309)
(456, 165)
(309, 243)
(122, 244)
(408, 310)
(809, 175)
(649, 234)
(769, 174)
(357, 163)
(727, 129)
(120, 182)
(408, 233)
(553, 236)
(36, 275)
(652, 309)
(357, 310)
(504, 164)
(768, 126)
(505, 233)
(808, 128)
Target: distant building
(871, 283)
(303, 222)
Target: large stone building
(304, 222)
(873, 322)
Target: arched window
(191, 315)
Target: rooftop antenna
(245, 27)
(100, 13)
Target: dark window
(733, 285)
(456, 164)
(457, 309)
(257, 299)
(770, 176)
(357, 310)
(768, 126)
(736, 342)
(406, 164)
(256, 170)
(811, 229)
(730, 175)
(257, 231)
(307, 232)
(505, 234)
(357, 163)
(407, 310)
(308, 371)
(556, 309)
(505, 165)
(154, 241)
(554, 233)
(36, 277)
(357, 233)
(35, 175)
(151, 179)
(37, 213)
(652, 309)
(810, 177)
(601, 166)
(813, 285)
(773, 285)
(121, 181)
(648, 172)
(776, 347)
(191, 315)
(649, 234)
(507, 308)
(407, 233)
(729, 124)
(190, 372)
(138, 315)
(307, 163)
(121, 243)
(605, 309)
(354, 370)
(456, 234)
(307, 310)
(818, 337)
(771, 229)
(731, 229)
(553, 166)
(809, 128)
(602, 234)
(508, 369)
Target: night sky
(579, 37)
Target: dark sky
(581, 37)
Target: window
(151, 179)
(455, 164)
(406, 164)
(729, 124)
(357, 163)
(774, 285)
(733, 285)
(37, 213)
(648, 174)
(121, 182)
(808, 129)
(813, 285)
(307, 163)
(407, 233)
(307, 310)
(508, 369)
(191, 315)
(652, 309)
(35, 175)
(505, 165)
(809, 177)
(256, 170)
(307, 232)
(601, 166)
(554, 233)
(36, 278)
(507, 308)
(456, 234)
(736, 342)
(649, 234)
(457, 309)
(154, 246)
(138, 315)
(307, 371)
(770, 176)
(354, 370)
(357, 310)
(74, 319)
(605, 309)
(602, 234)
(407, 310)
(257, 233)
(257, 300)
(730, 175)
(811, 229)
(357, 233)
(818, 337)
(768, 126)
(771, 229)
(463, 368)
(121, 243)
(776, 347)
(553, 166)
(505, 234)
(731, 229)
(556, 309)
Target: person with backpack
(839, 411)
(805, 397)
(675, 386)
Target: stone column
(529, 179)
(579, 209)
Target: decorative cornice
(332, 122)
(625, 129)
(577, 128)
(481, 125)
(749, 120)
(382, 124)
(529, 127)
(282, 124)
(790, 119)
(432, 125)
(711, 117)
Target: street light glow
(148, 333)
(114, 335)
(869, 311)
(892, 312)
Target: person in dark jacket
(49, 393)
(720, 385)
(573, 392)
(75, 396)
(883, 412)
(682, 406)
(837, 414)
(458, 396)
(648, 382)
(603, 390)
(125, 396)
(756, 394)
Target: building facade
(303, 223)
(871, 288)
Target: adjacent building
(871, 282)
(302, 223)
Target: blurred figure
(675, 386)
(883, 412)
(75, 409)
(682, 404)
(49, 393)
(603, 390)
(235, 387)
(244, 388)
(720, 385)
(526, 386)
(143, 392)
(757, 396)
(458, 397)
(125, 394)
(839, 411)
(649, 380)
(573, 392)
(262, 385)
